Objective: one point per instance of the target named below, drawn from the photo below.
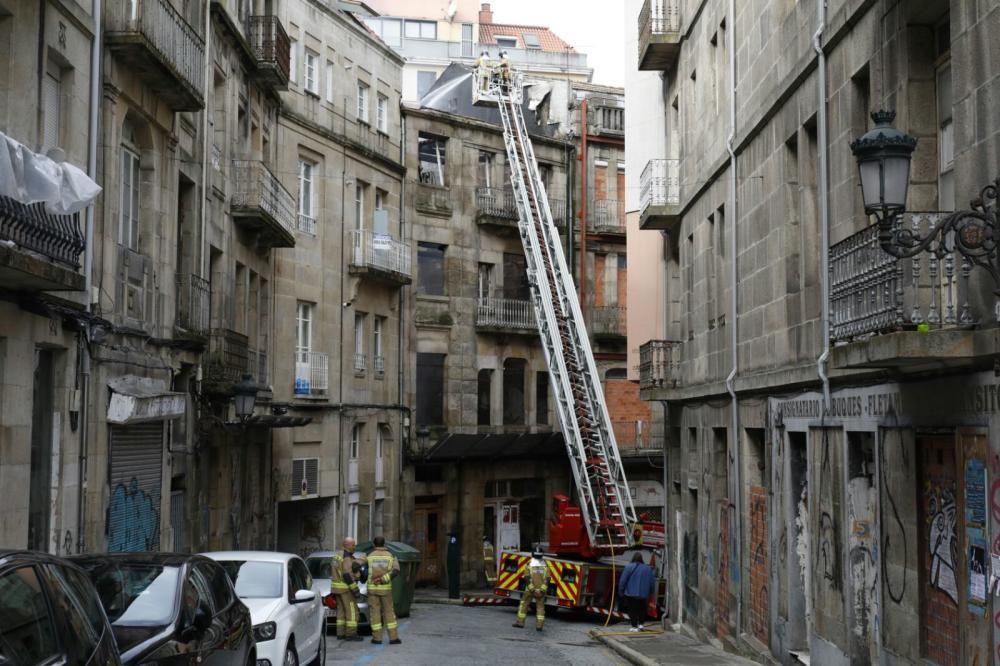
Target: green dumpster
(402, 585)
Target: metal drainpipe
(734, 324)
(824, 204)
(584, 156)
(404, 435)
(345, 494)
(88, 269)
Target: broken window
(430, 269)
(431, 159)
(430, 382)
(542, 398)
(513, 391)
(484, 416)
(515, 277)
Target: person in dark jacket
(636, 585)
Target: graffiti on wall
(136, 520)
(894, 542)
(942, 539)
(759, 601)
(995, 547)
(722, 580)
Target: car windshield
(137, 594)
(319, 567)
(255, 580)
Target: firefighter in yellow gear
(382, 568)
(534, 590)
(344, 570)
(489, 561)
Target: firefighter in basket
(484, 68)
(537, 586)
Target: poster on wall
(975, 492)
(977, 571)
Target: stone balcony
(157, 42)
(381, 258)
(659, 34)
(39, 251)
(660, 195)
(918, 313)
(607, 321)
(271, 49)
(505, 316)
(607, 121)
(659, 368)
(496, 207)
(260, 202)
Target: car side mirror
(304, 595)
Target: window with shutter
(305, 477)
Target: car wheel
(321, 652)
(291, 656)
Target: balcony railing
(496, 202)
(609, 120)
(162, 46)
(659, 364)
(257, 366)
(607, 216)
(378, 364)
(271, 48)
(608, 320)
(872, 292)
(558, 208)
(263, 203)
(312, 373)
(360, 362)
(55, 237)
(227, 360)
(659, 34)
(635, 434)
(659, 184)
(194, 305)
(381, 253)
(505, 313)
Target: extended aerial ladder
(605, 501)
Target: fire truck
(590, 541)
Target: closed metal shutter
(136, 485)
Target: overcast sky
(592, 27)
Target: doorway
(509, 527)
(427, 539)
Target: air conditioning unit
(305, 478)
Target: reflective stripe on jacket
(384, 567)
(538, 577)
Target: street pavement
(450, 634)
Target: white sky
(594, 27)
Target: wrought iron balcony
(380, 257)
(659, 34)
(157, 42)
(262, 203)
(378, 364)
(636, 436)
(360, 363)
(194, 306)
(607, 321)
(660, 194)
(227, 359)
(874, 293)
(496, 206)
(271, 48)
(659, 364)
(506, 315)
(312, 374)
(39, 251)
(558, 208)
(607, 216)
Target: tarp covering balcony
(29, 178)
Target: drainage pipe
(824, 202)
(88, 276)
(736, 483)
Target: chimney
(485, 14)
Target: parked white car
(319, 566)
(289, 619)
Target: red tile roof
(548, 40)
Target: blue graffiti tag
(137, 520)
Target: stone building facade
(831, 434)
(339, 295)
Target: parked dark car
(171, 609)
(50, 614)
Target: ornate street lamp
(883, 155)
(245, 397)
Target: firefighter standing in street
(344, 585)
(382, 568)
(489, 560)
(537, 586)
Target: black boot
(519, 626)
(395, 641)
(376, 641)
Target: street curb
(437, 600)
(633, 656)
